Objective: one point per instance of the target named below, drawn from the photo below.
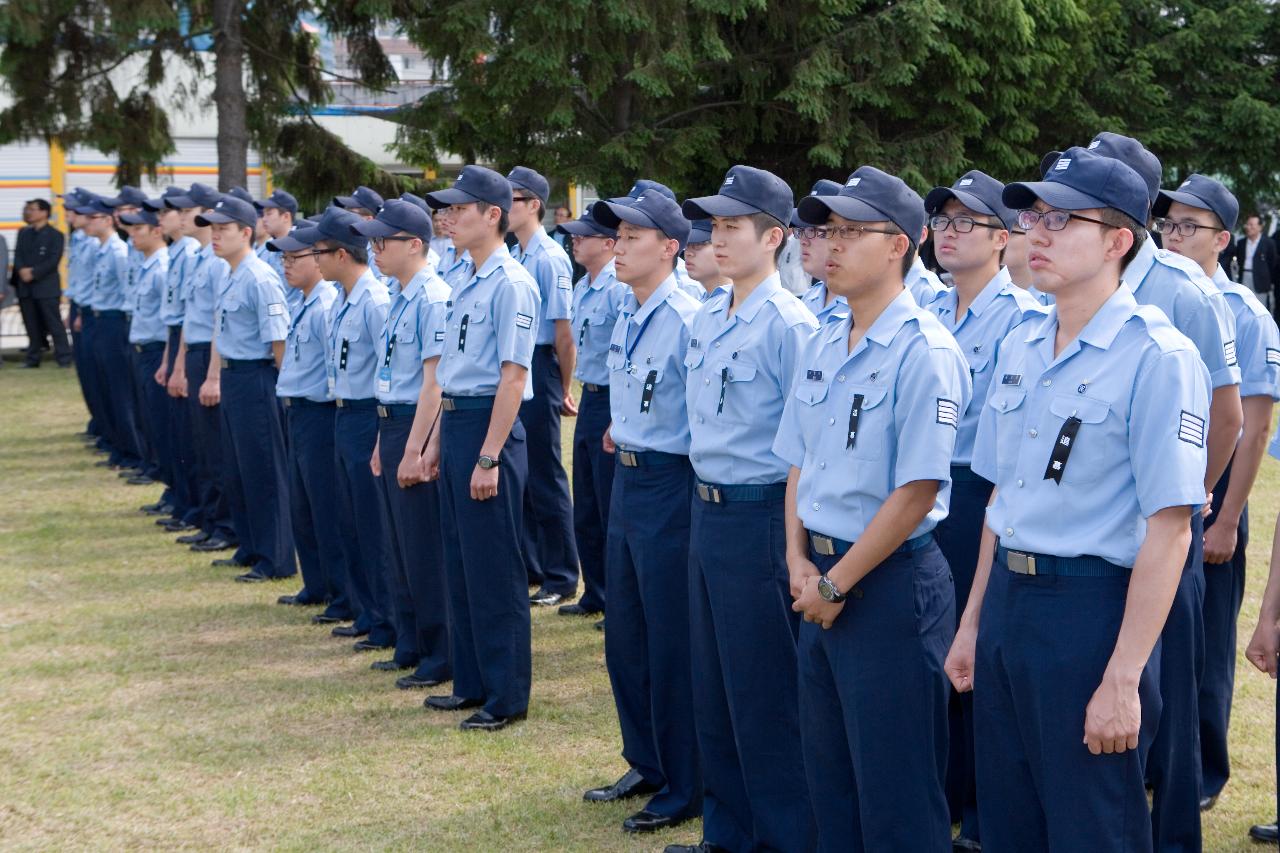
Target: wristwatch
(828, 591)
(487, 462)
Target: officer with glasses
(813, 258)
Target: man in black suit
(35, 277)
(1257, 265)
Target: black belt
(1086, 566)
(717, 494)
(204, 347)
(964, 474)
(304, 403)
(150, 346)
(367, 404)
(593, 388)
(108, 313)
(545, 349)
(829, 546)
(397, 410)
(458, 404)
(244, 363)
(648, 458)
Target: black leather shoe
(324, 619)
(483, 721)
(1208, 802)
(168, 517)
(252, 577)
(213, 543)
(180, 526)
(413, 682)
(348, 631)
(387, 665)
(600, 625)
(140, 480)
(126, 473)
(371, 646)
(450, 703)
(158, 506)
(577, 610)
(647, 821)
(296, 601)
(546, 598)
(632, 784)
(1266, 832)
(228, 563)
(192, 538)
(700, 847)
(960, 844)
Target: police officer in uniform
(479, 449)
(1094, 434)
(700, 261)
(365, 203)
(279, 212)
(813, 259)
(742, 357)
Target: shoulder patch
(275, 309)
(524, 321)
(792, 311)
(1191, 428)
(1273, 356)
(1165, 335)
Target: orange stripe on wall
(89, 169)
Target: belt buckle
(288, 402)
(823, 545)
(628, 459)
(341, 403)
(225, 363)
(1020, 563)
(710, 493)
(447, 404)
(137, 347)
(383, 411)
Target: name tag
(384, 380)
(615, 347)
(1011, 379)
(813, 375)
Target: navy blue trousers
(1043, 645)
(873, 698)
(1173, 765)
(647, 645)
(360, 525)
(488, 585)
(959, 535)
(745, 682)
(592, 487)
(183, 492)
(85, 372)
(551, 554)
(415, 576)
(1223, 595)
(115, 378)
(257, 472)
(206, 441)
(313, 486)
(153, 412)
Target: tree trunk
(228, 94)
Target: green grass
(148, 701)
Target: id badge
(384, 380)
(331, 376)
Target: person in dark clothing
(39, 286)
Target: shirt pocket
(734, 398)
(693, 358)
(874, 421)
(645, 376)
(810, 396)
(1010, 419)
(1092, 452)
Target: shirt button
(701, 419)
(706, 382)
(822, 465)
(831, 421)
(1033, 433)
(717, 344)
(1008, 531)
(1046, 383)
(624, 419)
(1019, 484)
(817, 505)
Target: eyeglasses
(314, 254)
(962, 224)
(1054, 220)
(849, 232)
(1185, 228)
(524, 198)
(809, 232)
(380, 243)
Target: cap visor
(373, 228)
(346, 201)
(1168, 197)
(699, 236)
(939, 196)
(815, 209)
(288, 243)
(615, 212)
(716, 205)
(180, 202)
(578, 228)
(1052, 193)
(134, 219)
(453, 195)
(215, 218)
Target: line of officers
(883, 559)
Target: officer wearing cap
(1196, 222)
(433, 257)
(551, 553)
(813, 259)
(408, 410)
(1095, 438)
(647, 642)
(479, 450)
(79, 279)
(924, 285)
(970, 227)
(742, 356)
(279, 212)
(251, 325)
(683, 281)
(869, 431)
(147, 337)
(1196, 308)
(597, 299)
(204, 277)
(700, 261)
(364, 203)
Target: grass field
(147, 701)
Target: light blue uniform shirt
(646, 362)
(357, 324)
(1257, 339)
(815, 299)
(275, 260)
(135, 264)
(1044, 299)
(1001, 306)
(251, 311)
(302, 371)
(80, 255)
(1192, 303)
(205, 278)
(550, 267)
(908, 382)
(150, 281)
(740, 373)
(414, 332)
(491, 318)
(110, 275)
(1141, 394)
(181, 256)
(596, 304)
(456, 269)
(924, 285)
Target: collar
(917, 269)
(1141, 264)
(536, 243)
(316, 291)
(998, 285)
(1101, 330)
(1220, 278)
(764, 292)
(364, 284)
(417, 285)
(151, 260)
(642, 312)
(499, 257)
(817, 293)
(607, 274)
(900, 310)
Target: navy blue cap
(230, 209)
(587, 226)
(155, 205)
(363, 197)
(161, 202)
(1133, 154)
(244, 195)
(644, 185)
(1081, 179)
(870, 195)
(334, 225)
(650, 210)
(416, 201)
(527, 179)
(280, 200)
(96, 206)
(746, 190)
(474, 183)
(699, 231)
(396, 215)
(977, 191)
(143, 216)
(1205, 193)
(302, 235)
(73, 199)
(129, 197)
(200, 195)
(822, 187)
